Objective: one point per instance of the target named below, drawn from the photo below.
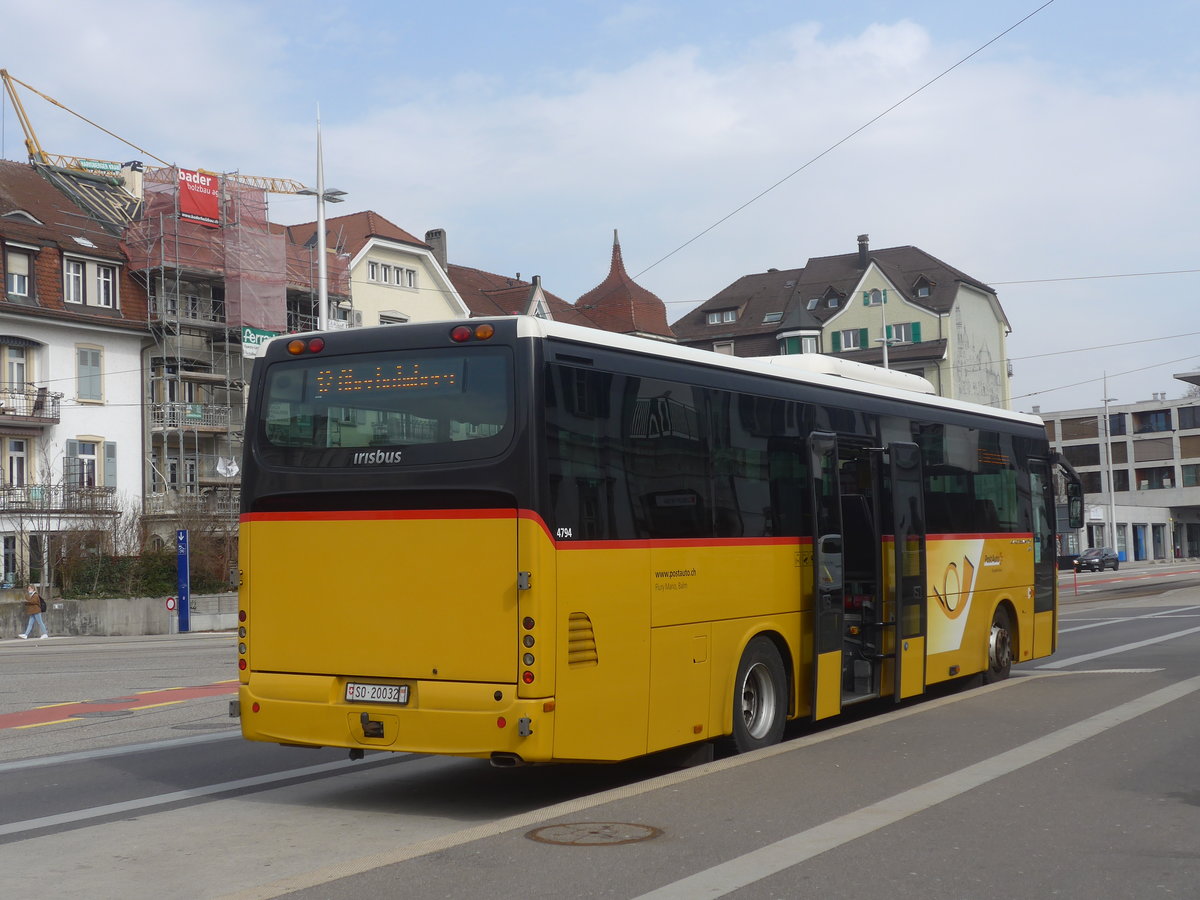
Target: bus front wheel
(759, 697)
(999, 661)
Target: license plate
(377, 693)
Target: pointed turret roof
(621, 305)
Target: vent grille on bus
(581, 641)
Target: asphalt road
(1076, 778)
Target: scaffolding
(211, 293)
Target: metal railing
(189, 415)
(188, 308)
(215, 503)
(53, 498)
(29, 401)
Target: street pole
(322, 195)
(322, 266)
(1112, 488)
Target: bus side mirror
(1075, 504)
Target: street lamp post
(885, 340)
(323, 196)
(1112, 488)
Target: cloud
(1011, 167)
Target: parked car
(1097, 559)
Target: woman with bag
(34, 607)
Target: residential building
(899, 306)
(1141, 467)
(617, 304)
(72, 334)
(394, 276)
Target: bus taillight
(460, 334)
(298, 346)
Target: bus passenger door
(1045, 572)
(828, 599)
(907, 567)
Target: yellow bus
(530, 542)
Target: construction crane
(108, 167)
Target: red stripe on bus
(669, 543)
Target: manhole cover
(591, 834)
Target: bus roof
(824, 371)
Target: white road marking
(96, 812)
(1072, 660)
(773, 858)
(1153, 615)
(122, 750)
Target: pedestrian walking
(34, 607)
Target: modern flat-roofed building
(1141, 467)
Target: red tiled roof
(65, 228)
(351, 233)
(622, 305)
(489, 294)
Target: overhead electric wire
(852, 134)
(1109, 376)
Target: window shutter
(866, 298)
(888, 332)
(916, 332)
(864, 339)
(837, 342)
(110, 464)
(70, 466)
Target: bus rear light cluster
(528, 640)
(242, 632)
(460, 334)
(299, 346)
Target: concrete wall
(131, 616)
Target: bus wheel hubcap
(999, 648)
(758, 700)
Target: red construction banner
(199, 199)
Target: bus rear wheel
(999, 662)
(759, 697)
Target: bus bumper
(452, 718)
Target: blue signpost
(184, 578)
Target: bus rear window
(433, 405)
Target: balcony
(187, 309)
(29, 405)
(190, 416)
(57, 498)
(173, 502)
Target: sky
(1047, 149)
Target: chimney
(862, 250)
(436, 238)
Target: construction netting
(238, 247)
